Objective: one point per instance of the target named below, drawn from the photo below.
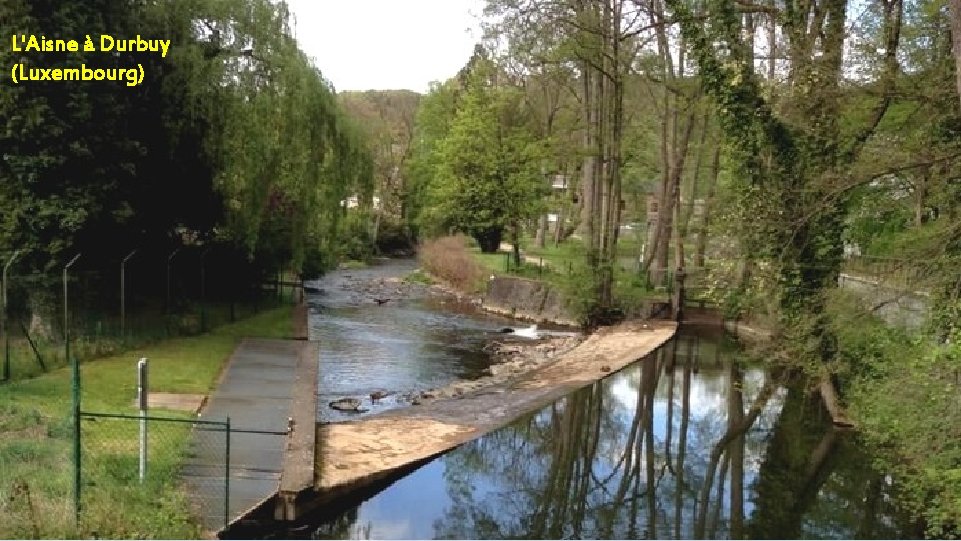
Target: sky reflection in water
(632, 457)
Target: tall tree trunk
(559, 227)
(540, 239)
(665, 214)
(920, 193)
(706, 214)
(516, 242)
(955, 13)
(695, 176)
(585, 228)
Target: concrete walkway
(354, 454)
(256, 392)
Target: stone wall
(531, 300)
(906, 309)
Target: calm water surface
(689, 442)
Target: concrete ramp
(353, 454)
(257, 392)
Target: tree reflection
(601, 464)
(687, 443)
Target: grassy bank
(95, 334)
(565, 267)
(36, 435)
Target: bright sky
(387, 44)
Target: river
(690, 442)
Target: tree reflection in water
(688, 443)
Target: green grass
(36, 436)
(492, 263)
(353, 264)
(418, 277)
(96, 335)
(564, 266)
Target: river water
(412, 342)
(690, 442)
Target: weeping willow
(289, 156)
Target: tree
(488, 175)
(955, 11)
(434, 116)
(600, 40)
(387, 119)
(233, 138)
(791, 157)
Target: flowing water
(414, 341)
(689, 442)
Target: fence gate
(183, 458)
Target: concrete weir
(352, 455)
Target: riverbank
(36, 436)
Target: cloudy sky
(387, 44)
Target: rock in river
(346, 404)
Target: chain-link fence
(112, 303)
(128, 462)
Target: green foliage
(357, 243)
(489, 174)
(478, 164)
(903, 392)
(233, 136)
(432, 123)
(912, 414)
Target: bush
(449, 259)
(902, 391)
(316, 263)
(356, 242)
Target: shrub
(449, 259)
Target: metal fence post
(227, 474)
(3, 317)
(142, 400)
(169, 260)
(123, 296)
(75, 370)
